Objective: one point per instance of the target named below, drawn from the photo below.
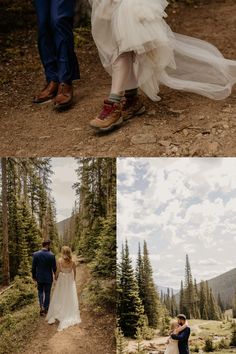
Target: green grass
(16, 328)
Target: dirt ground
(94, 335)
(181, 124)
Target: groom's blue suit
(43, 267)
(56, 40)
(182, 337)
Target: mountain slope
(62, 226)
(225, 285)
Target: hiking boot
(109, 118)
(64, 96)
(132, 106)
(47, 94)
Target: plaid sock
(131, 93)
(114, 98)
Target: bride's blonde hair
(173, 325)
(66, 254)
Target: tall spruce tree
(234, 306)
(130, 308)
(150, 296)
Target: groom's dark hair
(46, 243)
(181, 316)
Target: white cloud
(183, 205)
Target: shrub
(223, 344)
(23, 292)
(195, 349)
(16, 328)
(233, 336)
(121, 342)
(147, 333)
(101, 295)
(209, 347)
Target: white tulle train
(161, 56)
(64, 305)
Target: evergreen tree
(140, 273)
(234, 306)
(5, 234)
(150, 299)
(181, 300)
(189, 294)
(105, 257)
(121, 342)
(220, 303)
(203, 305)
(130, 309)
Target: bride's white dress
(161, 56)
(172, 347)
(64, 305)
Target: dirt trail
(180, 124)
(94, 335)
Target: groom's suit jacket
(43, 266)
(182, 337)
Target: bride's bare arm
(58, 269)
(74, 268)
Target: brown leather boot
(64, 96)
(109, 118)
(48, 93)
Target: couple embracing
(63, 306)
(179, 336)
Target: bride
(64, 305)
(172, 344)
(139, 50)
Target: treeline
(195, 301)
(139, 305)
(27, 213)
(91, 230)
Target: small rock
(227, 109)
(225, 126)
(143, 139)
(213, 130)
(213, 147)
(151, 113)
(178, 111)
(165, 143)
(76, 129)
(185, 131)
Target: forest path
(91, 336)
(180, 124)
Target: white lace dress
(161, 56)
(172, 347)
(64, 305)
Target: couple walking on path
(64, 305)
(137, 48)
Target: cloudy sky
(179, 206)
(62, 180)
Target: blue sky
(179, 205)
(62, 181)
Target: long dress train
(160, 55)
(64, 305)
(172, 347)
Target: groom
(43, 268)
(183, 336)
(56, 50)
